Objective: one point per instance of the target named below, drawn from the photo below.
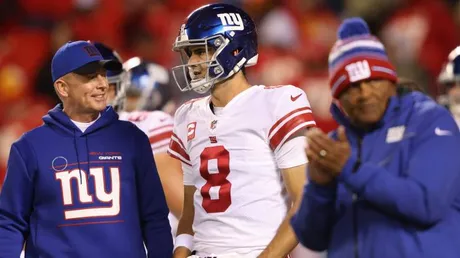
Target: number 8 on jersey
(215, 179)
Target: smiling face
(111, 92)
(453, 92)
(84, 93)
(453, 97)
(365, 102)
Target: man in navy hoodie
(84, 184)
(386, 184)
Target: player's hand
(328, 155)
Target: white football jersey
(157, 125)
(231, 159)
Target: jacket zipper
(354, 207)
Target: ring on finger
(323, 153)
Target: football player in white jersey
(139, 93)
(449, 80)
(145, 93)
(241, 147)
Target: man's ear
(61, 87)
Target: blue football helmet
(450, 74)
(113, 77)
(231, 34)
(110, 54)
(148, 83)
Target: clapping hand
(327, 155)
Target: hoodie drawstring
(78, 156)
(76, 151)
(87, 152)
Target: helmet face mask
(229, 38)
(450, 74)
(184, 74)
(115, 80)
(113, 77)
(118, 82)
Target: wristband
(184, 240)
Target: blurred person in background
(139, 92)
(144, 97)
(295, 39)
(59, 174)
(385, 184)
(241, 146)
(449, 80)
(430, 33)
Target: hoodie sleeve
(16, 200)
(152, 203)
(314, 219)
(426, 194)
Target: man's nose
(194, 60)
(365, 88)
(103, 83)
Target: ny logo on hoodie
(113, 197)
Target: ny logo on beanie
(358, 71)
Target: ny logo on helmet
(231, 21)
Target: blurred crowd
(295, 37)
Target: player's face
(365, 102)
(130, 103)
(453, 97)
(453, 92)
(198, 61)
(88, 92)
(111, 92)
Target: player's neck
(224, 92)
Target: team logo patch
(91, 51)
(59, 163)
(213, 139)
(191, 127)
(231, 21)
(358, 71)
(213, 124)
(395, 134)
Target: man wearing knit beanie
(359, 58)
(385, 184)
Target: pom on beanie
(353, 27)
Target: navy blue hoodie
(403, 201)
(91, 194)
